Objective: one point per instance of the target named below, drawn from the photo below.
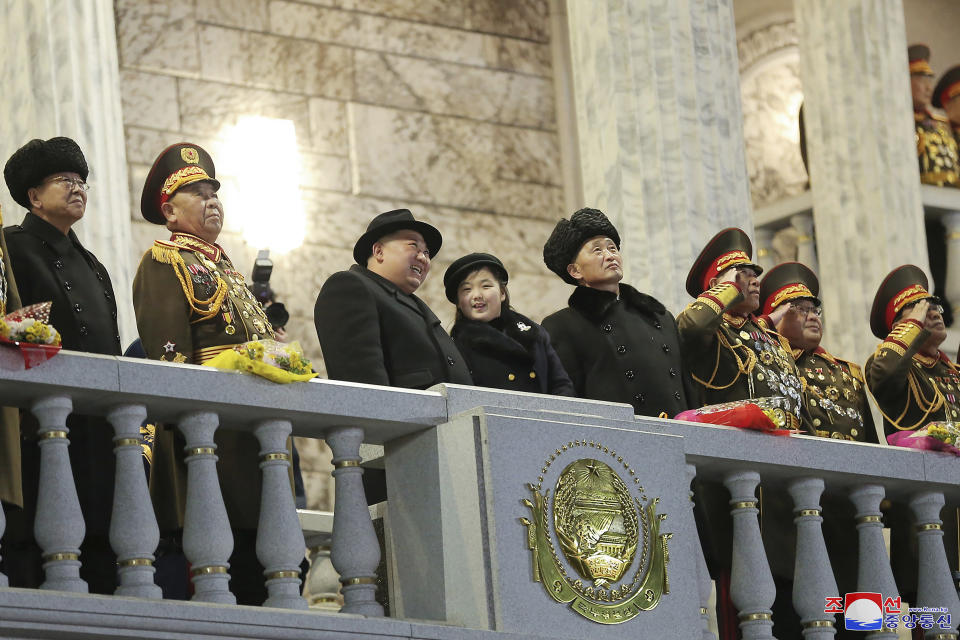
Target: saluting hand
(918, 312)
(777, 314)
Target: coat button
(114, 314)
(511, 377)
(658, 325)
(117, 338)
(673, 372)
(608, 327)
(67, 285)
(83, 330)
(451, 361)
(533, 374)
(106, 294)
(58, 264)
(665, 347)
(639, 399)
(676, 394)
(629, 373)
(77, 307)
(622, 349)
(99, 276)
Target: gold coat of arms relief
(599, 525)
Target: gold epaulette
(164, 252)
(856, 371)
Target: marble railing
(201, 400)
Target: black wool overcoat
(624, 349)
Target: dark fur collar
(513, 339)
(594, 303)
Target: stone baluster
(703, 574)
(766, 255)
(751, 584)
(356, 552)
(323, 581)
(280, 545)
(4, 582)
(951, 288)
(813, 579)
(873, 566)
(935, 586)
(207, 539)
(134, 533)
(806, 247)
(59, 526)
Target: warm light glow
(263, 198)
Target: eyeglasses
(806, 311)
(933, 307)
(70, 183)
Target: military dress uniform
(911, 388)
(937, 150)
(191, 304)
(732, 357)
(837, 405)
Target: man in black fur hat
(48, 178)
(616, 343)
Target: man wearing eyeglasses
(837, 400)
(913, 382)
(48, 178)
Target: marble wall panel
(519, 18)
(246, 14)
(424, 158)
(338, 219)
(209, 108)
(322, 171)
(149, 100)
(286, 64)
(527, 155)
(523, 56)
(158, 35)
(328, 127)
(377, 33)
(525, 199)
(449, 89)
(443, 12)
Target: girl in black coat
(502, 348)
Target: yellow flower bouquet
(275, 361)
(28, 330)
(934, 436)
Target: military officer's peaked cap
(788, 281)
(462, 267)
(729, 248)
(904, 285)
(34, 161)
(387, 223)
(177, 166)
(568, 238)
(948, 88)
(919, 57)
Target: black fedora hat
(788, 281)
(177, 166)
(568, 237)
(902, 286)
(34, 161)
(729, 248)
(387, 223)
(462, 267)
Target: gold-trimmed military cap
(902, 286)
(729, 248)
(788, 281)
(919, 57)
(948, 88)
(178, 165)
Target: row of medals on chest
(769, 353)
(239, 295)
(827, 398)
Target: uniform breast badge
(599, 523)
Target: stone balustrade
(807, 474)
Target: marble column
(60, 74)
(863, 166)
(656, 110)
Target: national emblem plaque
(599, 522)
